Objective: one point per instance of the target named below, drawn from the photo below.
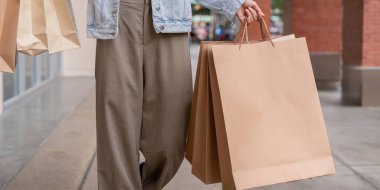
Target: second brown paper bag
(60, 26)
(31, 34)
(269, 122)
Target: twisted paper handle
(242, 34)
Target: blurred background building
(342, 36)
(215, 27)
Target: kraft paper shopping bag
(269, 123)
(204, 156)
(9, 10)
(202, 150)
(60, 26)
(31, 35)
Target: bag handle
(242, 34)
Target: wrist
(233, 7)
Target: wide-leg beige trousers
(143, 97)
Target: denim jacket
(169, 16)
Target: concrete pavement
(65, 157)
(27, 124)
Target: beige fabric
(144, 89)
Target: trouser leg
(166, 104)
(119, 97)
(143, 82)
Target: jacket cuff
(232, 8)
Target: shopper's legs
(119, 91)
(143, 82)
(166, 104)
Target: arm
(243, 9)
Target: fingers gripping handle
(242, 35)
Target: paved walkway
(26, 125)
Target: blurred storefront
(210, 26)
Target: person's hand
(249, 11)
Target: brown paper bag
(31, 35)
(202, 135)
(269, 124)
(202, 117)
(60, 26)
(202, 150)
(9, 10)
